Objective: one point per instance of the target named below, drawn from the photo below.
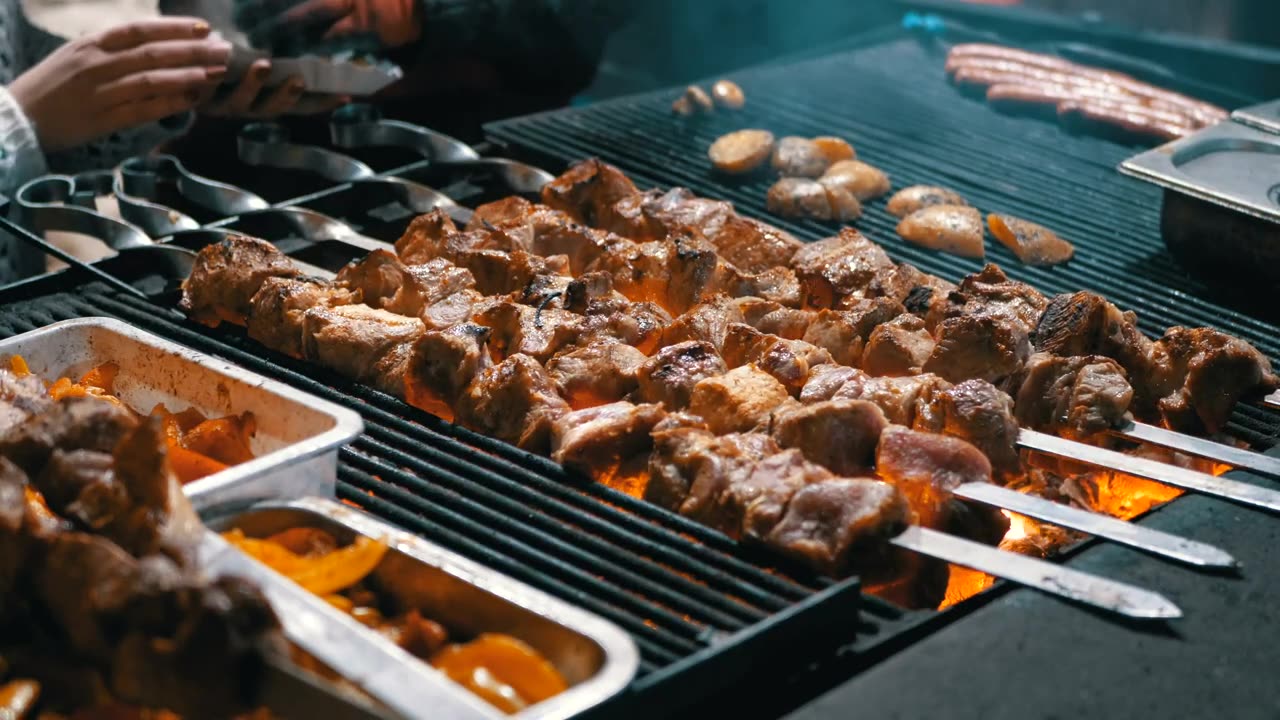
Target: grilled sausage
(1132, 120)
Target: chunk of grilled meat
(442, 364)
(842, 524)
(514, 401)
(384, 282)
(788, 361)
(899, 397)
(897, 347)
(925, 468)
(844, 333)
(669, 376)
(600, 441)
(588, 191)
(983, 346)
(603, 371)
(987, 292)
(1072, 396)
(690, 467)
(531, 331)
(840, 435)
(979, 413)
(708, 321)
(20, 398)
(227, 274)
(1199, 374)
(73, 424)
(838, 266)
(277, 310)
(740, 400)
(361, 343)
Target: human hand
(124, 77)
(251, 98)
(297, 26)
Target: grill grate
(892, 101)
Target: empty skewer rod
(1099, 525)
(1109, 595)
(1233, 490)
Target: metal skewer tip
(1109, 595)
(1148, 540)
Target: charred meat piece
(925, 468)
(1084, 323)
(685, 456)
(987, 292)
(899, 397)
(862, 181)
(277, 309)
(455, 309)
(1072, 396)
(603, 371)
(983, 347)
(227, 274)
(597, 441)
(640, 325)
(741, 151)
(508, 211)
(14, 540)
(804, 198)
(442, 364)
(1033, 244)
(839, 524)
(521, 329)
(840, 435)
(707, 321)
(899, 283)
(384, 282)
(956, 229)
(778, 284)
(514, 401)
(826, 380)
(580, 244)
(752, 506)
(20, 398)
(498, 272)
(81, 485)
(1199, 374)
(788, 361)
(741, 400)
(910, 199)
(753, 246)
(671, 374)
(72, 424)
(425, 236)
(979, 413)
(844, 333)
(838, 266)
(774, 319)
(900, 346)
(588, 191)
(361, 343)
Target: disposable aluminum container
(596, 657)
(298, 436)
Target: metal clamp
(267, 145)
(360, 125)
(66, 203)
(137, 190)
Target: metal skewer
(1272, 401)
(1109, 595)
(1103, 526)
(1233, 490)
(1202, 447)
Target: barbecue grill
(706, 615)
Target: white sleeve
(20, 156)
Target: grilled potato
(956, 229)
(861, 180)
(742, 151)
(910, 199)
(726, 93)
(1033, 244)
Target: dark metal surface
(892, 101)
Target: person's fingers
(280, 100)
(157, 83)
(149, 110)
(245, 94)
(123, 37)
(168, 54)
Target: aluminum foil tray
(298, 436)
(596, 657)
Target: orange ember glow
(630, 478)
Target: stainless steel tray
(1229, 164)
(596, 657)
(1265, 116)
(409, 689)
(298, 436)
